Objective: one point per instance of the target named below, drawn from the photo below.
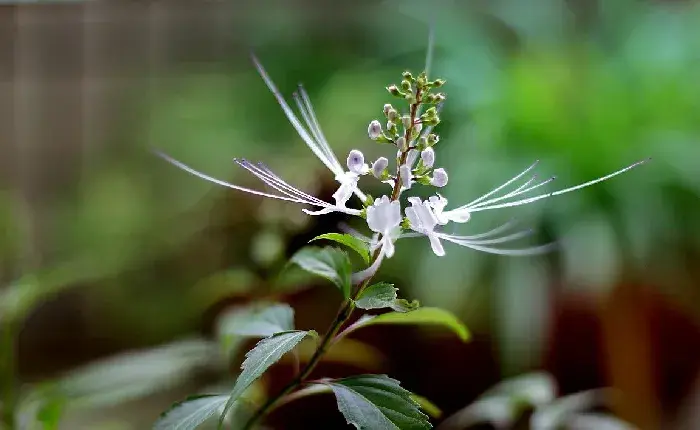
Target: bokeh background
(108, 253)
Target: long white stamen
(502, 239)
(517, 192)
(224, 183)
(270, 178)
(319, 132)
(495, 190)
(514, 252)
(491, 232)
(310, 142)
(560, 192)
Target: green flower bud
(407, 75)
(437, 83)
(406, 85)
(394, 91)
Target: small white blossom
(374, 130)
(418, 127)
(438, 203)
(384, 217)
(428, 157)
(406, 120)
(423, 221)
(387, 108)
(356, 162)
(379, 166)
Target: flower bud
(356, 162)
(407, 75)
(418, 127)
(387, 108)
(406, 120)
(379, 166)
(440, 97)
(429, 99)
(437, 83)
(406, 177)
(394, 90)
(392, 115)
(433, 139)
(374, 130)
(428, 157)
(401, 142)
(406, 85)
(439, 178)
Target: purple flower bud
(428, 157)
(439, 178)
(379, 166)
(374, 130)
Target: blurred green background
(107, 249)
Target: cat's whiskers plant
(410, 131)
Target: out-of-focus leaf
(551, 416)
(259, 359)
(132, 375)
(256, 320)
(377, 402)
(420, 316)
(351, 242)
(191, 413)
(597, 421)
(502, 404)
(330, 263)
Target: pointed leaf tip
(350, 241)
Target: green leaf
(330, 263)
(351, 242)
(377, 402)
(263, 355)
(261, 320)
(383, 295)
(421, 316)
(190, 413)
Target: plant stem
(348, 306)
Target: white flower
(439, 178)
(424, 221)
(374, 130)
(314, 137)
(384, 217)
(438, 203)
(428, 157)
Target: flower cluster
(410, 131)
